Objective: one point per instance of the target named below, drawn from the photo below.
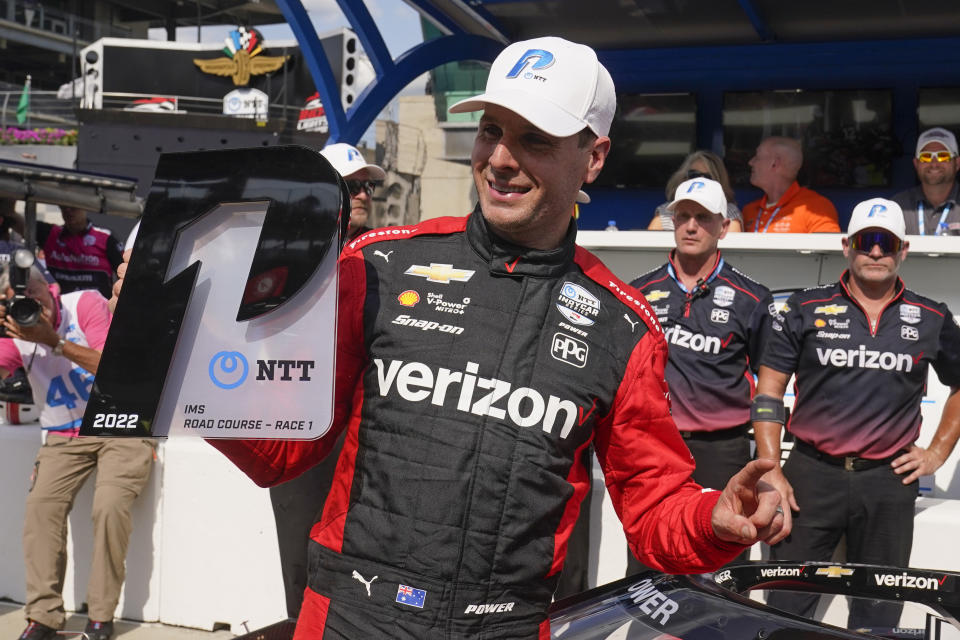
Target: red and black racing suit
(471, 373)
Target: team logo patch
(720, 316)
(656, 294)
(910, 313)
(442, 273)
(723, 296)
(89, 240)
(831, 309)
(409, 596)
(577, 305)
(409, 298)
(570, 350)
(909, 333)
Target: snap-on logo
(521, 406)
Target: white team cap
(347, 160)
(705, 192)
(877, 213)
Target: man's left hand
(917, 462)
(749, 509)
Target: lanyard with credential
(756, 224)
(940, 225)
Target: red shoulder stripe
(599, 273)
(447, 224)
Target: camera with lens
(24, 310)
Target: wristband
(767, 409)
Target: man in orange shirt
(785, 207)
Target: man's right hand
(778, 481)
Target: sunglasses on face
(864, 241)
(356, 186)
(693, 173)
(934, 156)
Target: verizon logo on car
(782, 572)
(907, 581)
(522, 406)
(864, 358)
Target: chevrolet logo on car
(834, 572)
(442, 273)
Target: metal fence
(45, 110)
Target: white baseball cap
(347, 160)
(937, 134)
(879, 213)
(705, 192)
(557, 85)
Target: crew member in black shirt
(716, 321)
(860, 349)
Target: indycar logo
(910, 313)
(577, 305)
(864, 358)
(723, 296)
(907, 581)
(442, 273)
(522, 406)
(834, 571)
(831, 309)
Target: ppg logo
(570, 350)
(696, 186)
(875, 209)
(228, 369)
(543, 59)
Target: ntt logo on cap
(543, 59)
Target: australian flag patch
(410, 596)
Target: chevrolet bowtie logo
(656, 294)
(439, 273)
(831, 309)
(834, 572)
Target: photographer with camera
(58, 341)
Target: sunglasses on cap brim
(865, 240)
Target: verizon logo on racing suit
(864, 358)
(908, 581)
(653, 603)
(523, 406)
(496, 607)
(693, 341)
